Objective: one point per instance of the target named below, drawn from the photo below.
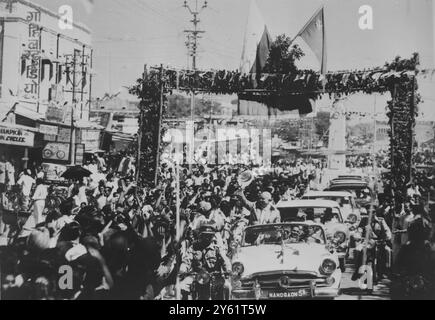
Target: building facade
(45, 83)
(39, 56)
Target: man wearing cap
(202, 216)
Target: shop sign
(64, 135)
(53, 172)
(80, 152)
(49, 137)
(91, 138)
(55, 113)
(16, 137)
(49, 130)
(56, 151)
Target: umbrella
(76, 172)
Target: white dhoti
(38, 210)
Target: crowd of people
(121, 241)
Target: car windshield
(319, 214)
(284, 234)
(360, 192)
(342, 201)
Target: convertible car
(289, 261)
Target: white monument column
(337, 137)
(190, 141)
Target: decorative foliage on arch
(149, 92)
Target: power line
(221, 54)
(144, 8)
(147, 8)
(132, 39)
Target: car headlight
(238, 269)
(328, 267)
(330, 281)
(352, 218)
(340, 237)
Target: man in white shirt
(39, 198)
(10, 173)
(413, 191)
(101, 162)
(26, 182)
(40, 174)
(265, 212)
(102, 199)
(198, 178)
(93, 167)
(82, 198)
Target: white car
(346, 200)
(285, 261)
(337, 231)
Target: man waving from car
(262, 211)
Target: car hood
(296, 257)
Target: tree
(286, 131)
(283, 56)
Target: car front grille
(293, 280)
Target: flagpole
(323, 67)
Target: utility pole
(73, 107)
(140, 135)
(192, 45)
(91, 78)
(83, 79)
(375, 136)
(194, 34)
(75, 84)
(159, 137)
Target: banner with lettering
(31, 57)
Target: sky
(129, 33)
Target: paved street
(351, 291)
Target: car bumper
(317, 293)
(341, 255)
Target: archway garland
(397, 77)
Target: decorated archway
(275, 91)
